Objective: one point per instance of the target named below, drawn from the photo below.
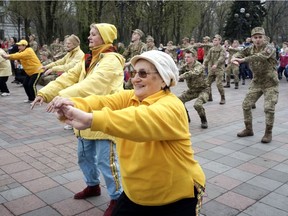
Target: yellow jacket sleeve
(105, 78)
(68, 61)
(66, 80)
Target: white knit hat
(164, 64)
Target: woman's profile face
(21, 47)
(69, 45)
(149, 85)
(95, 38)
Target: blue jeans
(100, 155)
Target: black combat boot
(204, 123)
(210, 97)
(188, 116)
(236, 85)
(227, 85)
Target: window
(1, 33)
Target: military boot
(227, 85)
(248, 131)
(210, 97)
(222, 100)
(243, 82)
(236, 85)
(204, 123)
(268, 134)
(253, 106)
(188, 116)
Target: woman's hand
(57, 103)
(65, 111)
(76, 118)
(47, 72)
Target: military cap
(186, 38)
(149, 38)
(33, 35)
(190, 50)
(258, 30)
(218, 36)
(138, 31)
(44, 53)
(206, 38)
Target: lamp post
(242, 18)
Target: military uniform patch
(269, 50)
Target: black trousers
(20, 75)
(184, 207)
(29, 85)
(3, 85)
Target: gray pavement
(39, 173)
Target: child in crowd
(283, 58)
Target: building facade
(10, 26)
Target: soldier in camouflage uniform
(171, 50)
(206, 45)
(33, 44)
(44, 80)
(133, 49)
(232, 67)
(215, 61)
(193, 72)
(185, 43)
(261, 57)
(150, 45)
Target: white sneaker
(68, 127)
(27, 101)
(5, 94)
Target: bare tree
(276, 20)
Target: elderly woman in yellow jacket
(74, 55)
(31, 65)
(160, 176)
(100, 74)
(5, 72)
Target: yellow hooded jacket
(105, 78)
(68, 61)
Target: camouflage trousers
(216, 76)
(202, 98)
(270, 100)
(44, 80)
(235, 71)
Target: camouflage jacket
(132, 50)
(216, 55)
(262, 62)
(145, 48)
(195, 76)
(206, 47)
(232, 51)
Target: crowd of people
(86, 92)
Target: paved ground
(39, 173)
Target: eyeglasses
(141, 73)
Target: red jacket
(200, 54)
(283, 60)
